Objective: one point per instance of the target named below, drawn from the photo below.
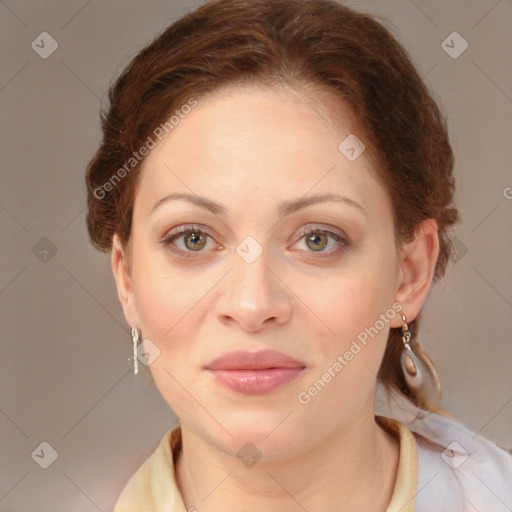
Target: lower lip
(256, 382)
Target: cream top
(153, 487)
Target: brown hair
(309, 45)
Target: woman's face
(254, 280)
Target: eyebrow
(284, 208)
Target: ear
(416, 271)
(123, 276)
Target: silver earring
(135, 337)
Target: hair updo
(310, 45)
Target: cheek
(345, 371)
(357, 308)
(352, 301)
(163, 295)
(165, 305)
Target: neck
(353, 468)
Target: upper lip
(244, 360)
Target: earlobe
(417, 268)
(123, 277)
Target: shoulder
(459, 469)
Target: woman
(275, 185)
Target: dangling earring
(420, 374)
(411, 366)
(135, 337)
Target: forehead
(258, 145)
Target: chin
(259, 435)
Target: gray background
(65, 364)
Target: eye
(317, 240)
(194, 240)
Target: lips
(255, 373)
(262, 360)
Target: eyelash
(168, 240)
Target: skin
(251, 148)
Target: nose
(254, 296)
